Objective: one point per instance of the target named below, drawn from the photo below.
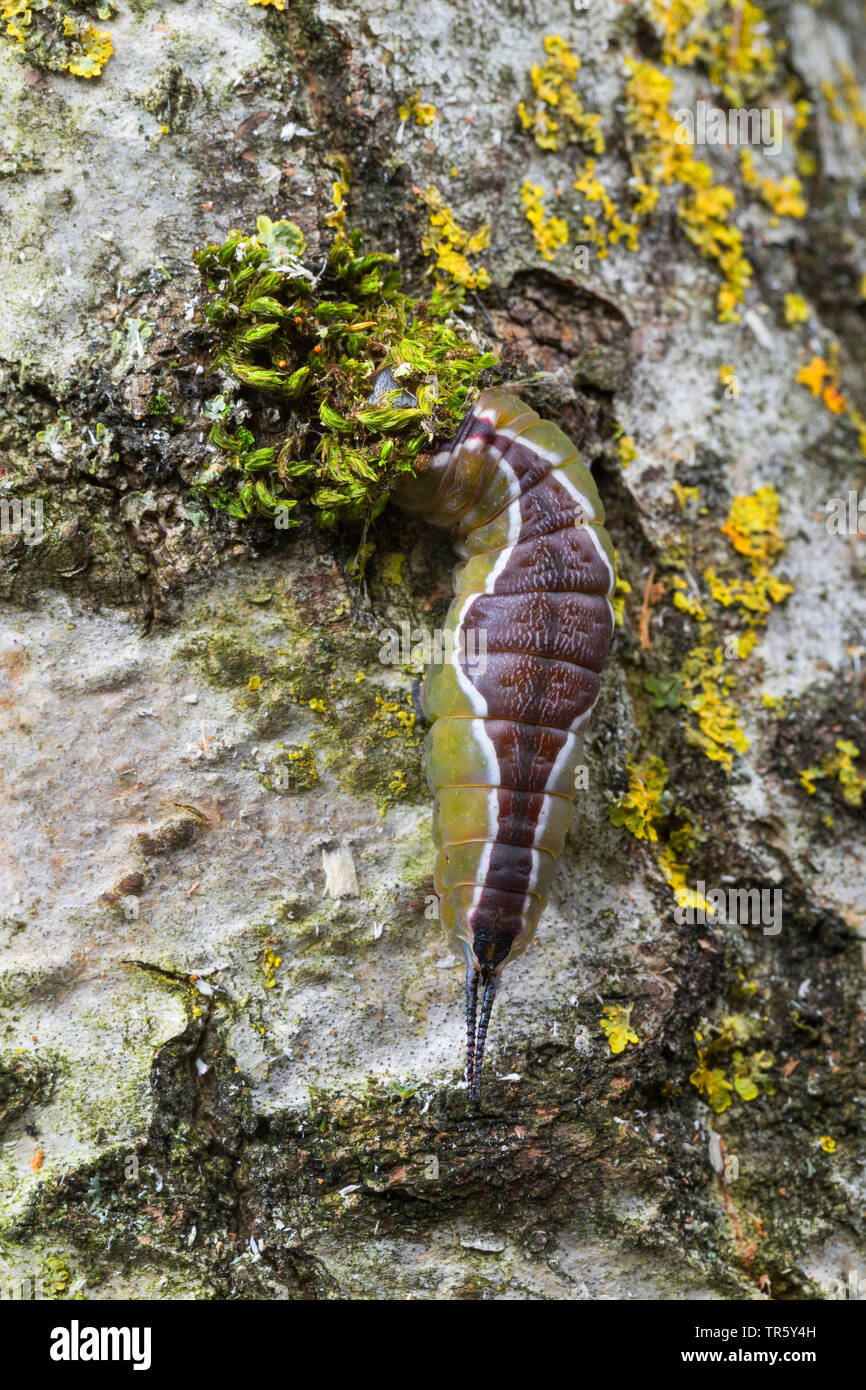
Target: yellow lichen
(615, 1023)
(686, 601)
(451, 246)
(306, 773)
(845, 103)
(559, 117)
(676, 874)
(708, 676)
(729, 40)
(753, 527)
(627, 450)
(852, 782)
(718, 732)
(754, 597)
(813, 374)
(588, 183)
(853, 95)
(397, 720)
(646, 800)
(271, 962)
(82, 50)
(796, 309)
(550, 233)
(841, 766)
(398, 783)
(728, 378)
(623, 588)
(750, 1071)
(784, 196)
(91, 48)
(822, 379)
(685, 494)
(832, 98)
(660, 159)
(805, 159)
(339, 193)
(703, 686)
(423, 113)
(712, 1082)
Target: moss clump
(24, 1080)
(361, 378)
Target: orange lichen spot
(814, 374)
(833, 399)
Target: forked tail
(475, 1040)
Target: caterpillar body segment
(528, 632)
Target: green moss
(24, 1081)
(312, 341)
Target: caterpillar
(527, 635)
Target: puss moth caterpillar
(527, 634)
